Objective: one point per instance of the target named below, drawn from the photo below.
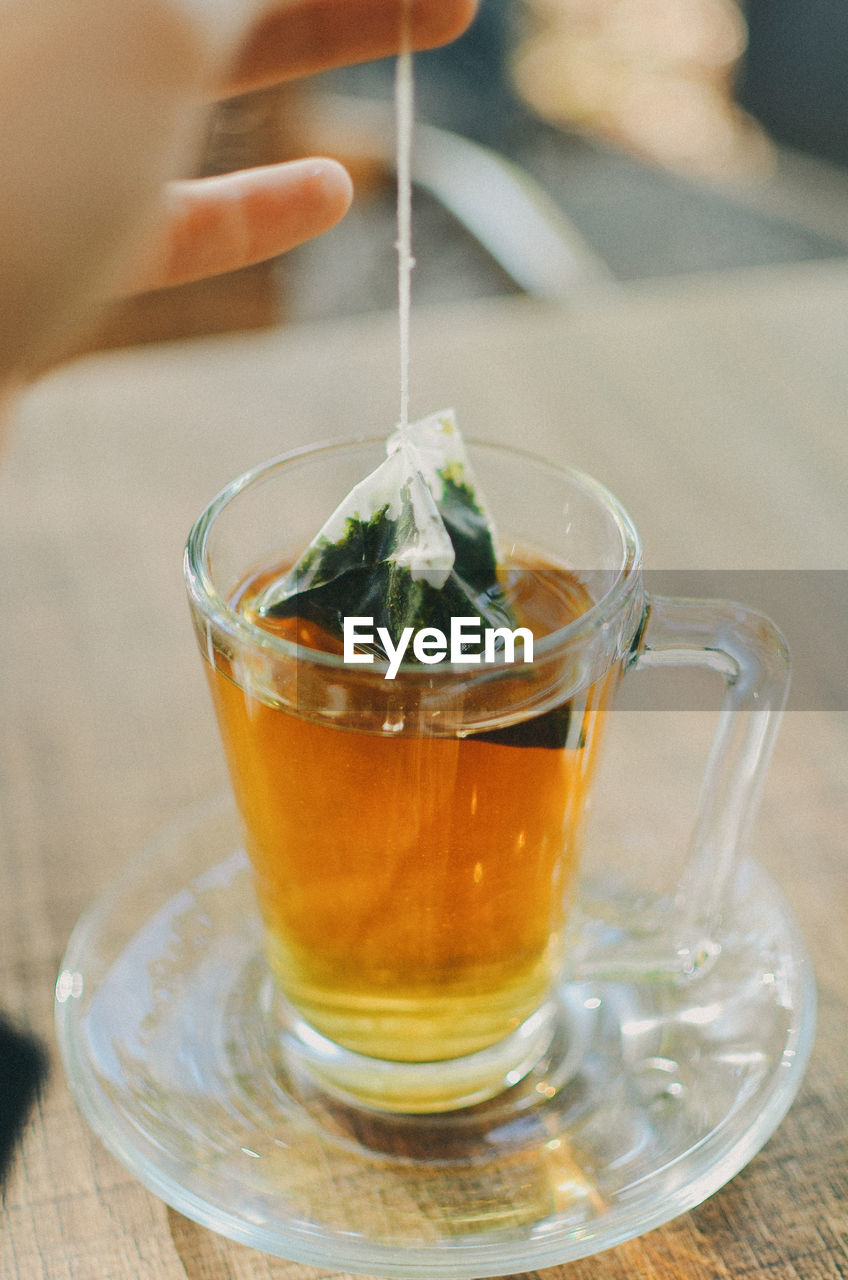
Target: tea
(413, 881)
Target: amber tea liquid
(414, 883)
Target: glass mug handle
(680, 935)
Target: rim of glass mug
(622, 593)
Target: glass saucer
(656, 1095)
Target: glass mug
(415, 841)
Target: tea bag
(410, 546)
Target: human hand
(90, 208)
(214, 225)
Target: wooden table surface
(716, 408)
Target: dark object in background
(23, 1069)
(794, 78)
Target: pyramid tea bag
(410, 546)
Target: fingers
(219, 224)
(308, 36)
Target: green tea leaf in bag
(410, 546)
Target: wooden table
(717, 409)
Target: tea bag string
(404, 114)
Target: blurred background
(562, 146)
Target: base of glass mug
(652, 1094)
(412, 1088)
